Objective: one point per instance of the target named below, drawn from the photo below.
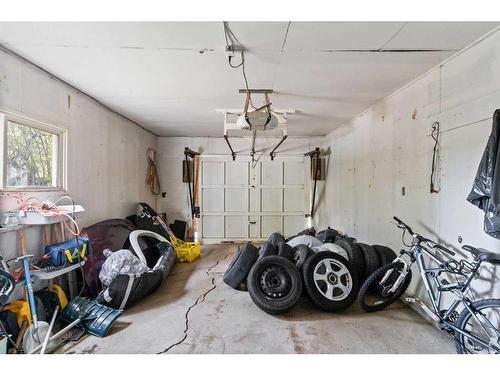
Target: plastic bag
(120, 262)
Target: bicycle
(476, 328)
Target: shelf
(36, 218)
(42, 275)
(12, 229)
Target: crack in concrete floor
(200, 299)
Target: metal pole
(189, 184)
(272, 153)
(315, 181)
(233, 154)
(254, 134)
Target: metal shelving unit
(38, 274)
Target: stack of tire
(278, 273)
(366, 259)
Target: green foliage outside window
(31, 156)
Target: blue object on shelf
(56, 253)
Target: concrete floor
(195, 312)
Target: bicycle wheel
(374, 296)
(485, 325)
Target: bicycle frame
(428, 274)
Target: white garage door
(244, 202)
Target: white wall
(384, 149)
(171, 153)
(106, 153)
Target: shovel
(38, 330)
(87, 315)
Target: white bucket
(3, 345)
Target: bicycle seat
(483, 254)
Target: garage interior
(150, 168)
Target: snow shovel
(37, 331)
(95, 318)
(85, 314)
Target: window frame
(61, 175)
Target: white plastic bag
(332, 247)
(305, 240)
(120, 262)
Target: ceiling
(171, 76)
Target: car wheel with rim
(274, 284)
(330, 281)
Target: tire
(355, 254)
(351, 240)
(325, 293)
(371, 289)
(464, 317)
(371, 260)
(385, 254)
(274, 284)
(276, 238)
(240, 266)
(302, 252)
(285, 251)
(327, 235)
(267, 249)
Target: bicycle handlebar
(423, 239)
(405, 226)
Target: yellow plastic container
(186, 251)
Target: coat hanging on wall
(486, 188)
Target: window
(32, 156)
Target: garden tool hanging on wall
(189, 176)
(315, 174)
(152, 178)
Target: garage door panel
(271, 224)
(272, 200)
(293, 200)
(293, 224)
(293, 173)
(213, 200)
(236, 199)
(213, 173)
(236, 226)
(213, 226)
(254, 175)
(237, 172)
(272, 173)
(254, 226)
(254, 200)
